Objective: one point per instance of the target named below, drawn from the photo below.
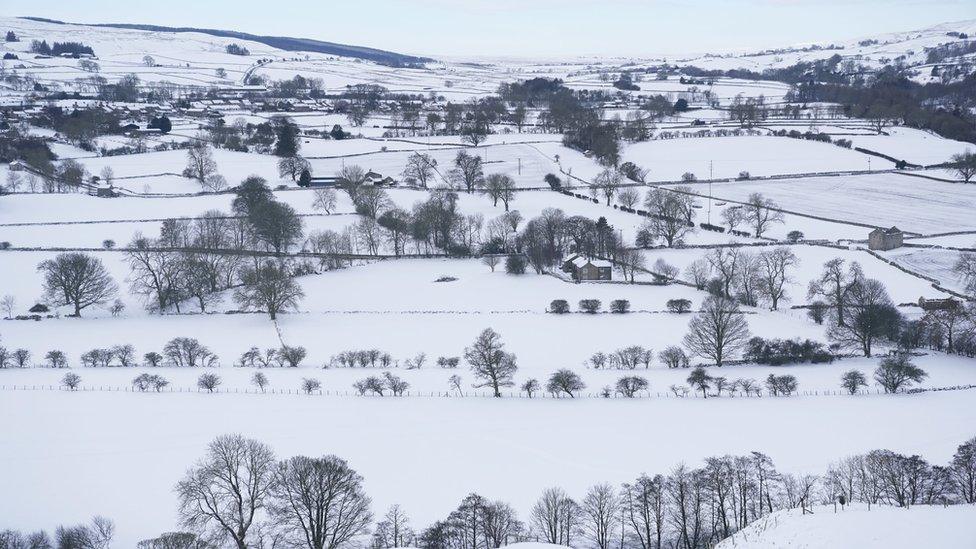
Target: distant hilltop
(281, 42)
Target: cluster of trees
(240, 494)
(735, 273)
(625, 358)
(286, 356)
(777, 352)
(74, 48)
(278, 136)
(376, 385)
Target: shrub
(674, 357)
(898, 372)
(629, 386)
(853, 380)
(71, 380)
(515, 264)
(565, 381)
(784, 385)
(620, 306)
(553, 181)
(108, 244)
(591, 306)
(817, 311)
(208, 382)
(292, 356)
(187, 351)
(776, 352)
(310, 385)
(559, 306)
(450, 362)
(679, 306)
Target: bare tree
(490, 363)
(774, 266)
(421, 167)
(319, 502)
(606, 184)
(292, 166)
(490, 260)
(9, 303)
(600, 509)
(325, 200)
(834, 284)
(761, 212)
(667, 216)
(965, 165)
(77, 279)
(500, 187)
(260, 381)
(394, 530)
(200, 163)
(70, 380)
(223, 493)
(269, 287)
(556, 516)
(628, 197)
(467, 171)
(718, 330)
(726, 264)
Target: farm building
(582, 268)
(885, 239)
(947, 304)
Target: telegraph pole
(710, 177)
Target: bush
(898, 372)
(679, 305)
(688, 177)
(794, 236)
(515, 264)
(743, 176)
(209, 382)
(817, 311)
(777, 352)
(565, 381)
(629, 386)
(553, 181)
(781, 385)
(591, 306)
(620, 306)
(309, 385)
(71, 381)
(674, 357)
(559, 306)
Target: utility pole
(710, 177)
(520, 166)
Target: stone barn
(885, 239)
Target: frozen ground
(858, 527)
(668, 159)
(912, 204)
(426, 454)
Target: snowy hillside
(858, 528)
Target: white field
(902, 287)
(122, 453)
(931, 262)
(668, 159)
(118, 453)
(856, 526)
(912, 204)
(915, 146)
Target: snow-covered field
(124, 464)
(107, 450)
(725, 157)
(912, 204)
(856, 526)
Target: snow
(856, 526)
(427, 453)
(910, 203)
(669, 159)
